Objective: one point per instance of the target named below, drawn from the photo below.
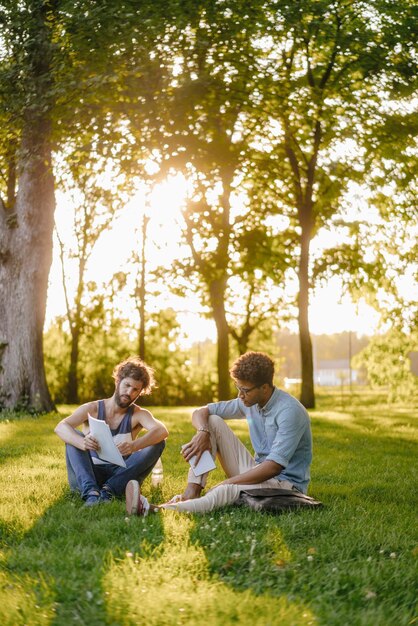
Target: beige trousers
(235, 459)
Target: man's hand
(125, 447)
(90, 443)
(199, 443)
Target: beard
(123, 401)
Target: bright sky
(328, 312)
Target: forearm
(260, 473)
(201, 439)
(70, 435)
(200, 418)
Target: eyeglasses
(245, 391)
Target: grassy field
(354, 562)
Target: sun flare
(161, 205)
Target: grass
(354, 562)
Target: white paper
(108, 450)
(206, 463)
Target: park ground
(353, 562)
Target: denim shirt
(280, 431)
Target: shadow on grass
(351, 562)
(56, 570)
(22, 437)
(249, 551)
(339, 565)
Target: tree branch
(64, 283)
(331, 63)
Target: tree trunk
(72, 390)
(242, 340)
(307, 395)
(25, 260)
(217, 298)
(142, 289)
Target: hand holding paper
(107, 450)
(205, 464)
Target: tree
(265, 98)
(26, 217)
(61, 69)
(252, 317)
(140, 287)
(393, 197)
(386, 359)
(105, 341)
(175, 384)
(323, 67)
(95, 207)
(203, 136)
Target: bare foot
(192, 491)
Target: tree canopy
(276, 112)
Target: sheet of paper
(206, 464)
(108, 450)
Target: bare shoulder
(90, 408)
(142, 416)
(82, 412)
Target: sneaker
(106, 495)
(93, 498)
(136, 504)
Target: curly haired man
(99, 481)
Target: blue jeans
(85, 476)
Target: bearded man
(97, 480)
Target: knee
(214, 421)
(229, 490)
(218, 426)
(224, 494)
(70, 450)
(160, 446)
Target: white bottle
(157, 474)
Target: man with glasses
(280, 433)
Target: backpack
(276, 500)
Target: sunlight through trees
(293, 128)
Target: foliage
(210, 63)
(105, 343)
(388, 365)
(182, 375)
(57, 359)
(273, 107)
(354, 562)
(324, 69)
(61, 73)
(95, 208)
(179, 382)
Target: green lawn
(354, 562)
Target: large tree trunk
(217, 298)
(307, 395)
(25, 259)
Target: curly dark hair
(256, 367)
(135, 368)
